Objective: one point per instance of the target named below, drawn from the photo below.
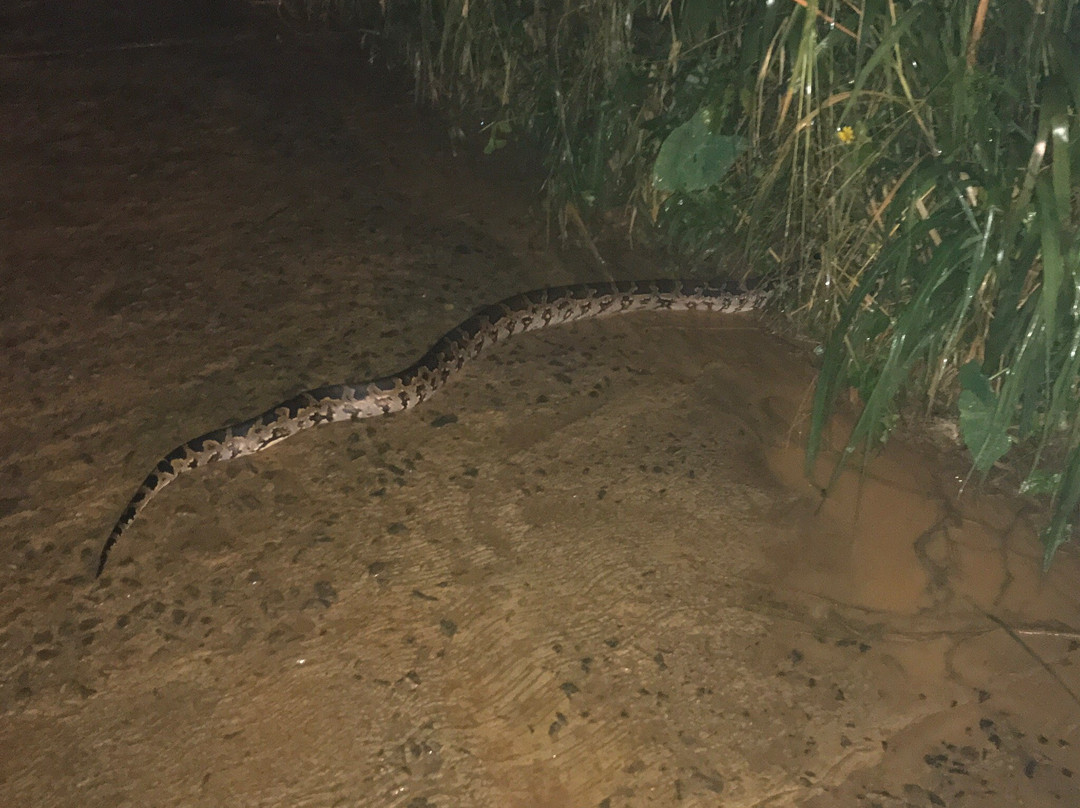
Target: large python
(407, 388)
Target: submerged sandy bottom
(590, 573)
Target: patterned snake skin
(351, 402)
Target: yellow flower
(846, 134)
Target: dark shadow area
(47, 25)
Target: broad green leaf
(985, 437)
(497, 138)
(972, 379)
(693, 157)
(698, 17)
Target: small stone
(325, 592)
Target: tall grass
(952, 275)
(596, 85)
(903, 171)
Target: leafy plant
(974, 256)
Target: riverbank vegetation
(903, 173)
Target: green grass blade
(894, 34)
(917, 326)
(1053, 264)
(1065, 505)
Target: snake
(353, 401)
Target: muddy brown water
(589, 573)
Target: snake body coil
(353, 401)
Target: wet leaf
(983, 435)
(693, 157)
